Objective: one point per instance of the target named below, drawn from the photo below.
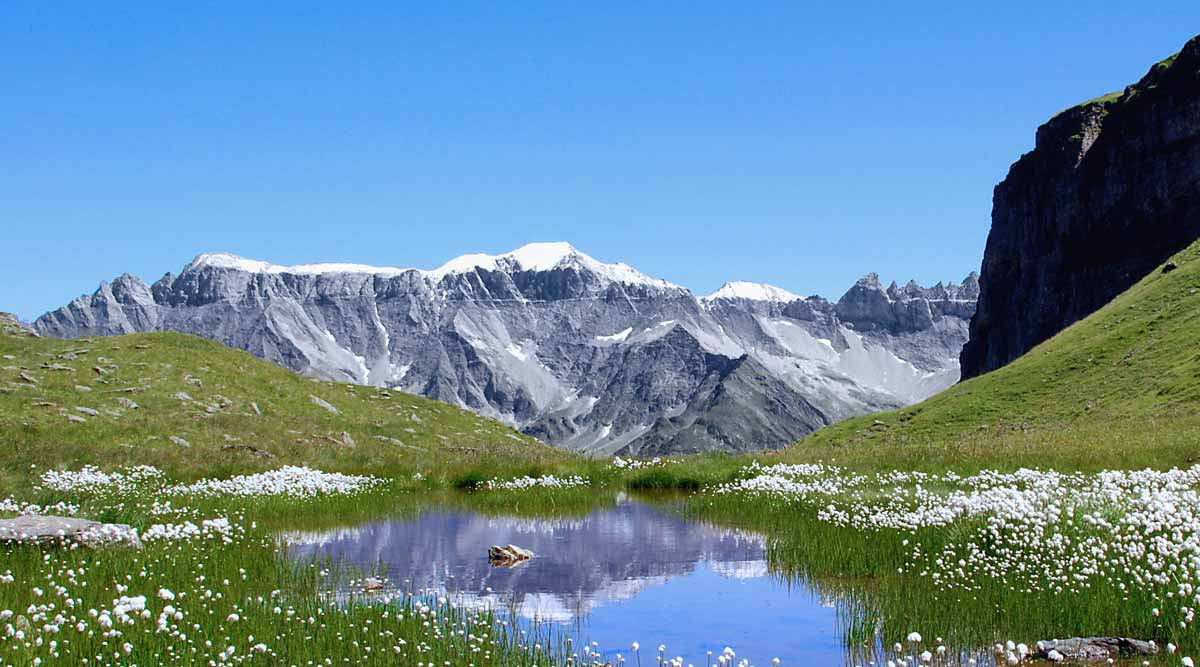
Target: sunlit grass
(235, 597)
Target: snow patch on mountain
(617, 337)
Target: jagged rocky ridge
(1110, 191)
(594, 357)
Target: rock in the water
(1093, 649)
(59, 529)
(322, 403)
(508, 555)
(372, 584)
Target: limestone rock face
(594, 357)
(1110, 191)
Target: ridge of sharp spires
(967, 289)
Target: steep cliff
(1111, 189)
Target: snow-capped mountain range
(587, 355)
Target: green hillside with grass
(1118, 389)
(193, 408)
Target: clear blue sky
(797, 144)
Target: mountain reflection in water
(631, 572)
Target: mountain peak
(529, 257)
(544, 257)
(739, 289)
(541, 256)
(871, 281)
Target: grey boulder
(44, 530)
(1093, 649)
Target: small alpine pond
(632, 572)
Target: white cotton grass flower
(288, 481)
(543, 482)
(636, 464)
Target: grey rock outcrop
(594, 357)
(11, 325)
(1093, 649)
(47, 530)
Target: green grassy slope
(1120, 388)
(224, 432)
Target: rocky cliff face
(590, 356)
(1111, 189)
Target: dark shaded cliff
(1111, 189)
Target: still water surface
(632, 572)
